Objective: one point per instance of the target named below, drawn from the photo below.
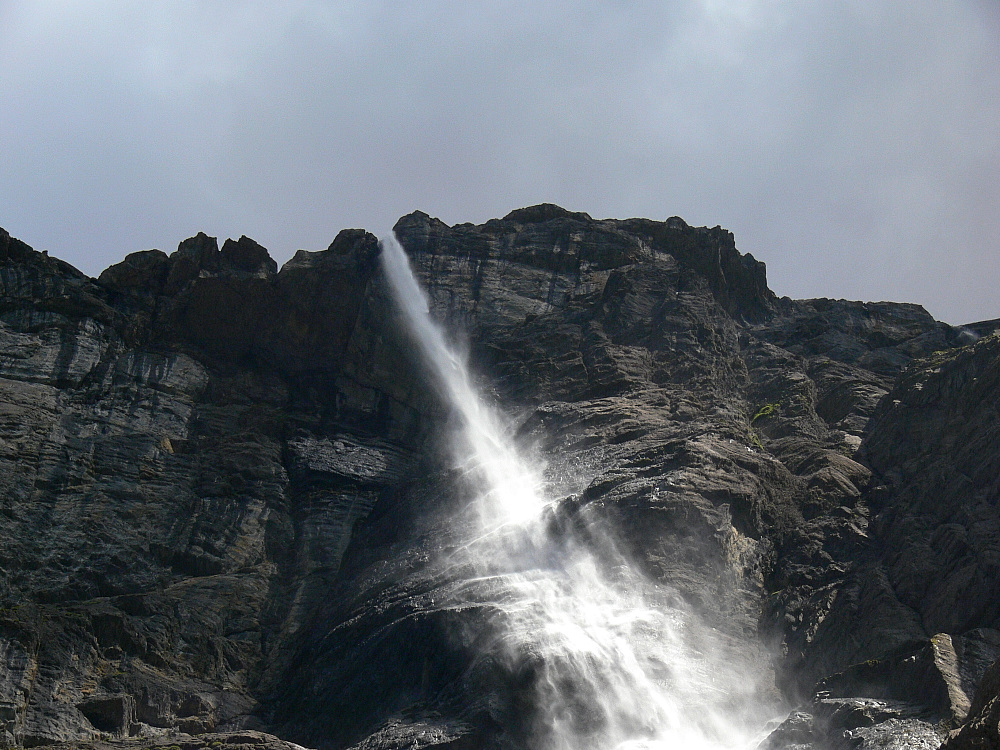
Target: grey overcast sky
(852, 146)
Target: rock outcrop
(982, 730)
(226, 488)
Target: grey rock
(415, 735)
(924, 675)
(976, 651)
(934, 447)
(225, 486)
(343, 457)
(894, 734)
(982, 730)
(796, 732)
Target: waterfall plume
(616, 661)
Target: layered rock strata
(226, 487)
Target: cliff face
(177, 491)
(225, 486)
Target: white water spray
(617, 662)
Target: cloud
(852, 146)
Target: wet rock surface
(227, 490)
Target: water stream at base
(618, 662)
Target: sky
(854, 147)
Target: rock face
(226, 488)
(934, 446)
(171, 500)
(982, 730)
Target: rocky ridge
(225, 485)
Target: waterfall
(618, 662)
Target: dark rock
(12, 249)
(240, 740)
(226, 489)
(347, 459)
(934, 446)
(194, 256)
(247, 257)
(796, 732)
(970, 333)
(541, 213)
(846, 723)
(926, 675)
(894, 734)
(112, 714)
(976, 651)
(169, 564)
(143, 273)
(982, 730)
(839, 715)
(404, 735)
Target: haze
(852, 146)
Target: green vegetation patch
(766, 411)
